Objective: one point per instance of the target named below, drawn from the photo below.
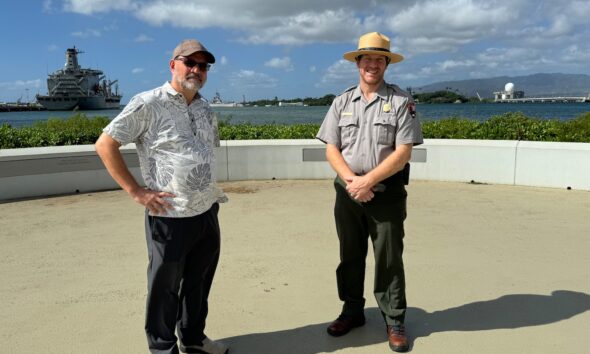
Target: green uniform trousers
(382, 219)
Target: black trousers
(183, 255)
(382, 219)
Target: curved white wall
(48, 171)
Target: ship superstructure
(218, 102)
(74, 87)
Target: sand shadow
(509, 311)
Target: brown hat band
(374, 49)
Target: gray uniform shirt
(175, 145)
(368, 132)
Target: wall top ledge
(272, 142)
(471, 142)
(554, 145)
(54, 151)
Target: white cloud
(577, 54)
(47, 6)
(280, 63)
(340, 74)
(137, 70)
(223, 60)
(252, 79)
(419, 26)
(309, 27)
(512, 58)
(468, 36)
(261, 21)
(312, 69)
(429, 26)
(87, 33)
(142, 38)
(20, 88)
(88, 7)
(454, 64)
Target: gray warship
(75, 88)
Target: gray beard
(192, 86)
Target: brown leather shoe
(343, 324)
(398, 342)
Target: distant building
(282, 104)
(508, 93)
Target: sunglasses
(189, 63)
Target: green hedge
(76, 130)
(79, 129)
(511, 126)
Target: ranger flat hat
(192, 46)
(374, 43)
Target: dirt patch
(239, 189)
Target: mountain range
(535, 85)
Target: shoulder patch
(412, 108)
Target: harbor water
(315, 114)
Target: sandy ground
(489, 269)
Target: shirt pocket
(385, 125)
(349, 129)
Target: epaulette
(349, 89)
(395, 88)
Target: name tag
(346, 114)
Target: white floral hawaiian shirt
(175, 145)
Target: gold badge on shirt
(386, 108)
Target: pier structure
(510, 95)
(19, 107)
(559, 99)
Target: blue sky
(289, 49)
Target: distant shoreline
(316, 114)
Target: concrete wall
(37, 172)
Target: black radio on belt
(404, 174)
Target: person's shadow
(509, 311)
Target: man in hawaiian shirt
(175, 132)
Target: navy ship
(75, 88)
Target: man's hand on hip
(153, 200)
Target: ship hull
(52, 103)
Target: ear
(172, 65)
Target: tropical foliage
(80, 129)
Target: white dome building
(508, 94)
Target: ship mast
(72, 59)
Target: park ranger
(369, 132)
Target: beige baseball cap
(191, 46)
